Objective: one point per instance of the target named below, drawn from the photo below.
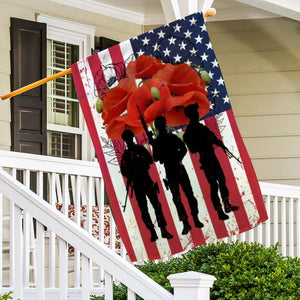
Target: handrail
(34, 162)
(47, 215)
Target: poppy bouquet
(152, 89)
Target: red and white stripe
(241, 180)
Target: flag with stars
(223, 196)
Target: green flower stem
(154, 90)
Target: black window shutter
(28, 64)
(102, 43)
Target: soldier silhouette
(135, 165)
(199, 138)
(169, 150)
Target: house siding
(260, 62)
(105, 26)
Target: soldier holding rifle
(199, 138)
(135, 165)
(169, 150)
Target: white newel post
(191, 285)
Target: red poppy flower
(181, 79)
(117, 125)
(176, 116)
(149, 105)
(144, 67)
(115, 101)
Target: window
(67, 42)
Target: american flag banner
(174, 164)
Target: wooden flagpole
(209, 13)
(35, 84)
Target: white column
(191, 285)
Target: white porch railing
(283, 225)
(40, 263)
(76, 186)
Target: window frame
(83, 36)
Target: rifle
(126, 197)
(230, 155)
(149, 133)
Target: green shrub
(243, 271)
(6, 296)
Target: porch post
(191, 285)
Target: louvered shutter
(28, 64)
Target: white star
(177, 58)
(226, 99)
(215, 92)
(145, 41)
(172, 40)
(209, 45)
(193, 51)
(187, 34)
(198, 39)
(193, 21)
(204, 57)
(155, 47)
(166, 52)
(211, 106)
(135, 38)
(220, 81)
(140, 52)
(203, 27)
(177, 28)
(215, 63)
(161, 34)
(182, 45)
(188, 62)
(211, 75)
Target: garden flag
(175, 168)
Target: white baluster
(86, 277)
(108, 286)
(52, 240)
(27, 222)
(17, 252)
(130, 294)
(291, 227)
(1, 238)
(275, 220)
(63, 269)
(298, 227)
(77, 220)
(283, 226)
(268, 223)
(40, 249)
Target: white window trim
(83, 36)
(64, 30)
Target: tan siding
(254, 35)
(260, 62)
(275, 147)
(4, 61)
(265, 104)
(262, 83)
(105, 26)
(5, 135)
(270, 168)
(266, 126)
(265, 61)
(5, 40)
